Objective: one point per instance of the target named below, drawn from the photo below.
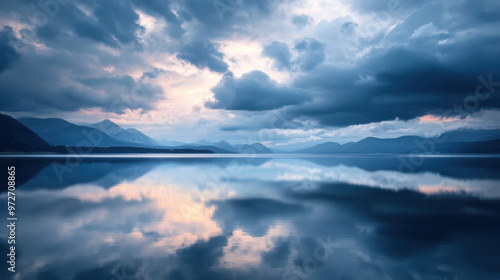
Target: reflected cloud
(247, 220)
(254, 215)
(427, 182)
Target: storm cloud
(424, 76)
(254, 91)
(312, 53)
(426, 64)
(204, 54)
(363, 63)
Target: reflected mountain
(61, 172)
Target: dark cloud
(109, 22)
(119, 19)
(66, 73)
(137, 94)
(425, 65)
(53, 86)
(204, 54)
(220, 19)
(8, 54)
(280, 53)
(71, 77)
(164, 9)
(254, 91)
(404, 82)
(480, 11)
(311, 53)
(223, 18)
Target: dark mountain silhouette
(131, 135)
(16, 137)
(60, 132)
(59, 136)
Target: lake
(237, 217)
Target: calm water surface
(256, 218)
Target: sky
(288, 74)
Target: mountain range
(255, 148)
(29, 134)
(130, 135)
(59, 136)
(58, 132)
(454, 142)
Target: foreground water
(255, 218)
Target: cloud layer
(330, 65)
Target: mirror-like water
(256, 218)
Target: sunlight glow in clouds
(382, 68)
(437, 119)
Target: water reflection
(258, 218)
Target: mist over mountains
(55, 135)
(28, 134)
(456, 142)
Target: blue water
(347, 217)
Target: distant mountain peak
(108, 127)
(130, 134)
(107, 124)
